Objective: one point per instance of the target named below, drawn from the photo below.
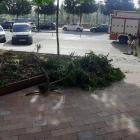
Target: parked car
(101, 28)
(2, 35)
(8, 25)
(50, 26)
(32, 25)
(73, 26)
(21, 33)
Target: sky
(135, 2)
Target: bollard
(52, 34)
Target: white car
(2, 35)
(21, 33)
(74, 26)
(32, 25)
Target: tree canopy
(79, 8)
(17, 7)
(110, 5)
(47, 9)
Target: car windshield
(21, 28)
(1, 29)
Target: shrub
(90, 72)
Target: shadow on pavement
(123, 48)
(15, 45)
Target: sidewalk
(110, 114)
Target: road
(69, 40)
(78, 42)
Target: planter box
(22, 84)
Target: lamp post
(38, 18)
(57, 36)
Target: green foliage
(18, 7)
(79, 8)
(8, 18)
(125, 5)
(90, 72)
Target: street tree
(79, 8)
(18, 7)
(42, 2)
(125, 5)
(47, 9)
(85, 8)
(3, 9)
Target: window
(101, 27)
(21, 28)
(1, 29)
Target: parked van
(21, 33)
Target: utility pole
(57, 36)
(38, 18)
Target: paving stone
(52, 138)
(124, 98)
(59, 132)
(69, 137)
(10, 138)
(5, 113)
(42, 135)
(76, 123)
(24, 125)
(18, 132)
(69, 119)
(100, 125)
(111, 136)
(102, 114)
(85, 108)
(68, 93)
(33, 130)
(87, 103)
(72, 130)
(0, 128)
(27, 137)
(84, 135)
(2, 102)
(54, 108)
(135, 123)
(5, 134)
(98, 132)
(39, 123)
(111, 128)
(10, 127)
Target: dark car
(50, 26)
(101, 28)
(8, 25)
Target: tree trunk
(17, 18)
(80, 18)
(38, 18)
(57, 19)
(44, 18)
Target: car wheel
(78, 29)
(94, 31)
(65, 29)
